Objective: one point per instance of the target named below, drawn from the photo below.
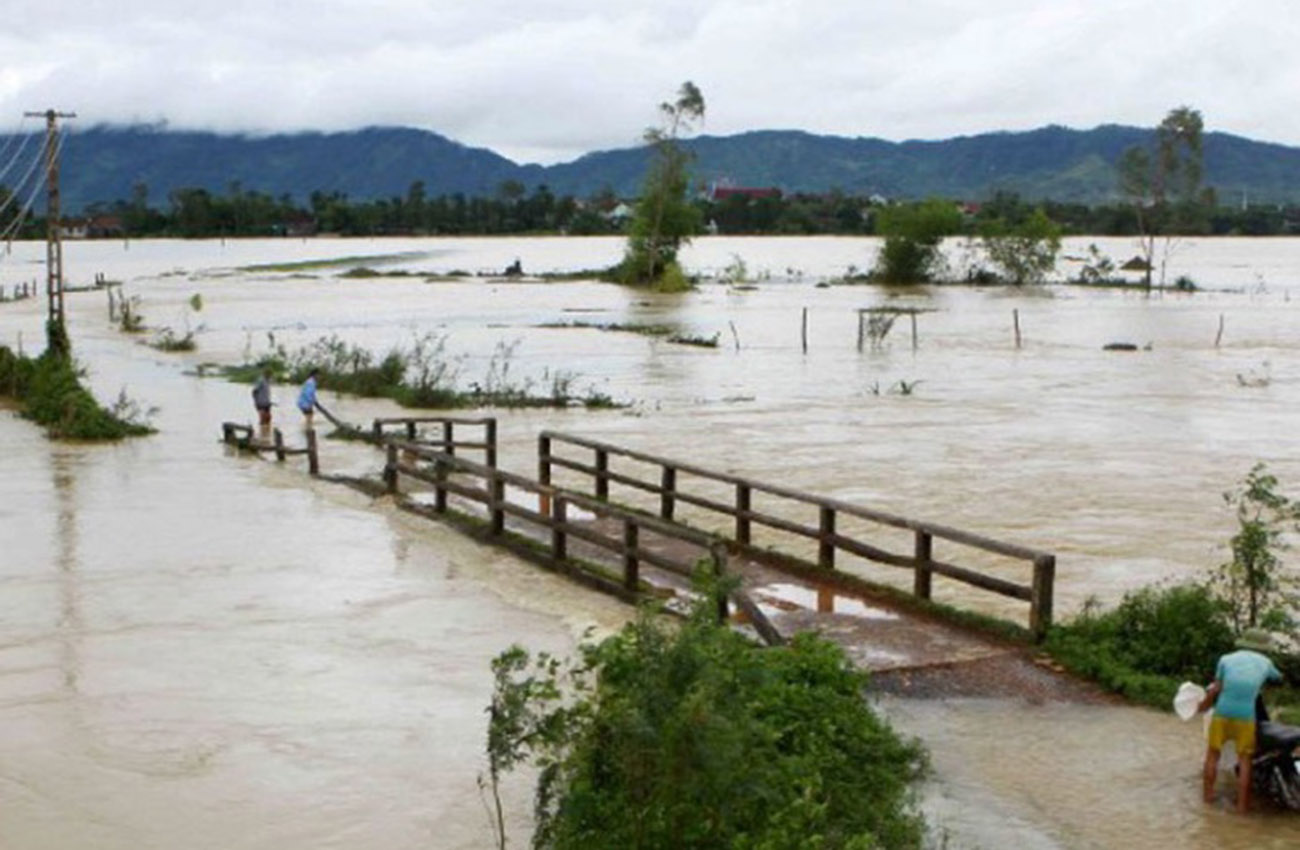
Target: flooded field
(204, 650)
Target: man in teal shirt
(1237, 681)
(307, 397)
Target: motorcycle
(1275, 767)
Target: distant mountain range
(104, 163)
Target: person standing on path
(1237, 681)
(307, 398)
(262, 401)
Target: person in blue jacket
(307, 398)
(1237, 682)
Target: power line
(35, 192)
(13, 160)
(18, 187)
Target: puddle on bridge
(775, 598)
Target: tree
(1164, 185)
(1258, 590)
(1023, 253)
(664, 219)
(693, 737)
(913, 233)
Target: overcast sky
(548, 80)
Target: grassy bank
(1157, 638)
(50, 392)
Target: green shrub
(697, 738)
(51, 393)
(1155, 639)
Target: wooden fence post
(544, 473)
(668, 488)
(1040, 607)
(390, 468)
(631, 566)
(449, 439)
(377, 431)
(439, 492)
(742, 511)
(923, 552)
(496, 498)
(559, 537)
(410, 431)
(718, 554)
(313, 459)
(490, 438)
(602, 471)
(826, 546)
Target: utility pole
(53, 223)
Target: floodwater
(209, 650)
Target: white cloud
(550, 79)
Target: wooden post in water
(804, 330)
(668, 489)
(313, 460)
(544, 473)
(377, 431)
(1040, 605)
(1218, 337)
(742, 513)
(912, 315)
(410, 431)
(390, 468)
(439, 492)
(631, 566)
(1015, 319)
(278, 437)
(923, 552)
(825, 545)
(861, 330)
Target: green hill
(105, 163)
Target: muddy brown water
(205, 650)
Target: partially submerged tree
(1022, 253)
(913, 233)
(664, 219)
(1164, 185)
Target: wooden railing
(488, 486)
(408, 430)
(241, 436)
(668, 487)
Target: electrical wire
(18, 187)
(9, 231)
(25, 138)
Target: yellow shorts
(1240, 732)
